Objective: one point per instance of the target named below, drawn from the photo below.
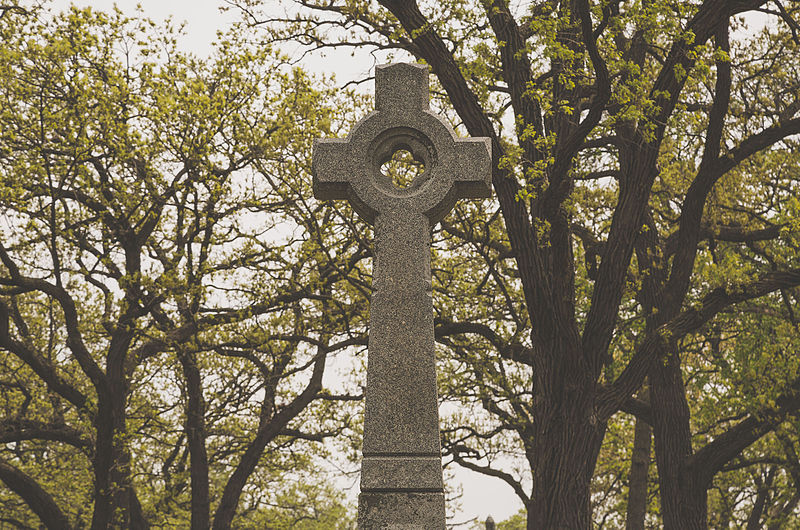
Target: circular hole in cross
(402, 168)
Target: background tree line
(170, 294)
(638, 270)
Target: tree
(167, 292)
(646, 137)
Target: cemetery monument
(401, 471)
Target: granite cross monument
(401, 471)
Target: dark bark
(565, 465)
(14, 430)
(569, 409)
(112, 460)
(569, 422)
(556, 327)
(434, 51)
(684, 474)
(267, 431)
(115, 503)
(40, 366)
(196, 439)
(638, 162)
(689, 230)
(111, 494)
(514, 352)
(754, 519)
(488, 470)
(640, 467)
(711, 458)
(566, 441)
(38, 500)
(683, 496)
(657, 339)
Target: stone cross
(401, 471)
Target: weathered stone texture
(401, 476)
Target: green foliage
(108, 132)
(305, 506)
(735, 366)
(517, 521)
(165, 198)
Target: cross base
(401, 511)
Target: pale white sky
(482, 495)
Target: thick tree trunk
(196, 439)
(683, 499)
(640, 467)
(116, 504)
(566, 448)
(566, 443)
(110, 509)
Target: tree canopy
(639, 265)
(168, 294)
(617, 327)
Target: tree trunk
(759, 506)
(566, 443)
(196, 439)
(108, 511)
(566, 449)
(640, 467)
(116, 504)
(683, 499)
(269, 428)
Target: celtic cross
(401, 472)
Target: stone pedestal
(401, 511)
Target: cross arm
(473, 180)
(330, 166)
